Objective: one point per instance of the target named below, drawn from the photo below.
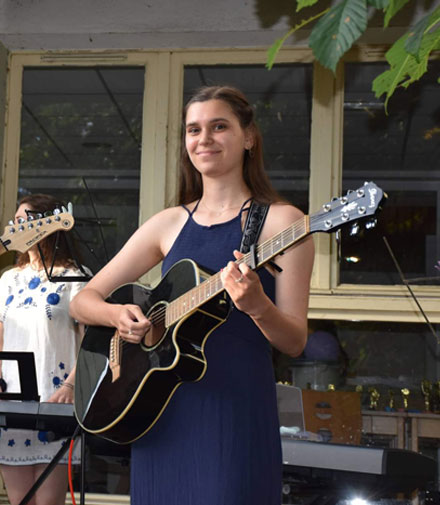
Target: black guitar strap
(253, 226)
(251, 233)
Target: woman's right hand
(131, 323)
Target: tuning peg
(371, 223)
(70, 208)
(354, 230)
(20, 220)
(56, 212)
(11, 222)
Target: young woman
(217, 441)
(34, 316)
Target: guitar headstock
(25, 234)
(362, 203)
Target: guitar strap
(251, 233)
(253, 226)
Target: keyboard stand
(54, 463)
(29, 392)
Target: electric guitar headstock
(23, 235)
(362, 203)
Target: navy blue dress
(217, 442)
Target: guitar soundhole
(157, 330)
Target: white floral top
(35, 317)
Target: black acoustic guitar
(122, 389)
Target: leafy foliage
(416, 35)
(276, 46)
(305, 3)
(342, 24)
(392, 9)
(379, 4)
(336, 32)
(405, 67)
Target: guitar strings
(210, 285)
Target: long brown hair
(254, 175)
(41, 203)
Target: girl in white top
(34, 316)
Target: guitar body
(123, 406)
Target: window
(81, 141)
(400, 152)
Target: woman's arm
(144, 249)
(284, 324)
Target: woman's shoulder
(168, 215)
(284, 211)
(279, 217)
(166, 220)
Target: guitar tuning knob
(11, 222)
(371, 223)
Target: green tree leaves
(393, 8)
(336, 32)
(408, 57)
(342, 24)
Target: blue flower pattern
(34, 295)
(27, 297)
(57, 380)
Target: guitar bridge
(115, 353)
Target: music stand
(29, 392)
(27, 375)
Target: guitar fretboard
(213, 286)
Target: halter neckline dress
(217, 442)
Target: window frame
(161, 136)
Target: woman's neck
(219, 198)
(34, 259)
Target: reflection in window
(80, 140)
(400, 152)
(282, 99)
(356, 356)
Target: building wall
(132, 24)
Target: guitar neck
(213, 286)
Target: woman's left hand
(63, 394)
(244, 287)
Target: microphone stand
(411, 292)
